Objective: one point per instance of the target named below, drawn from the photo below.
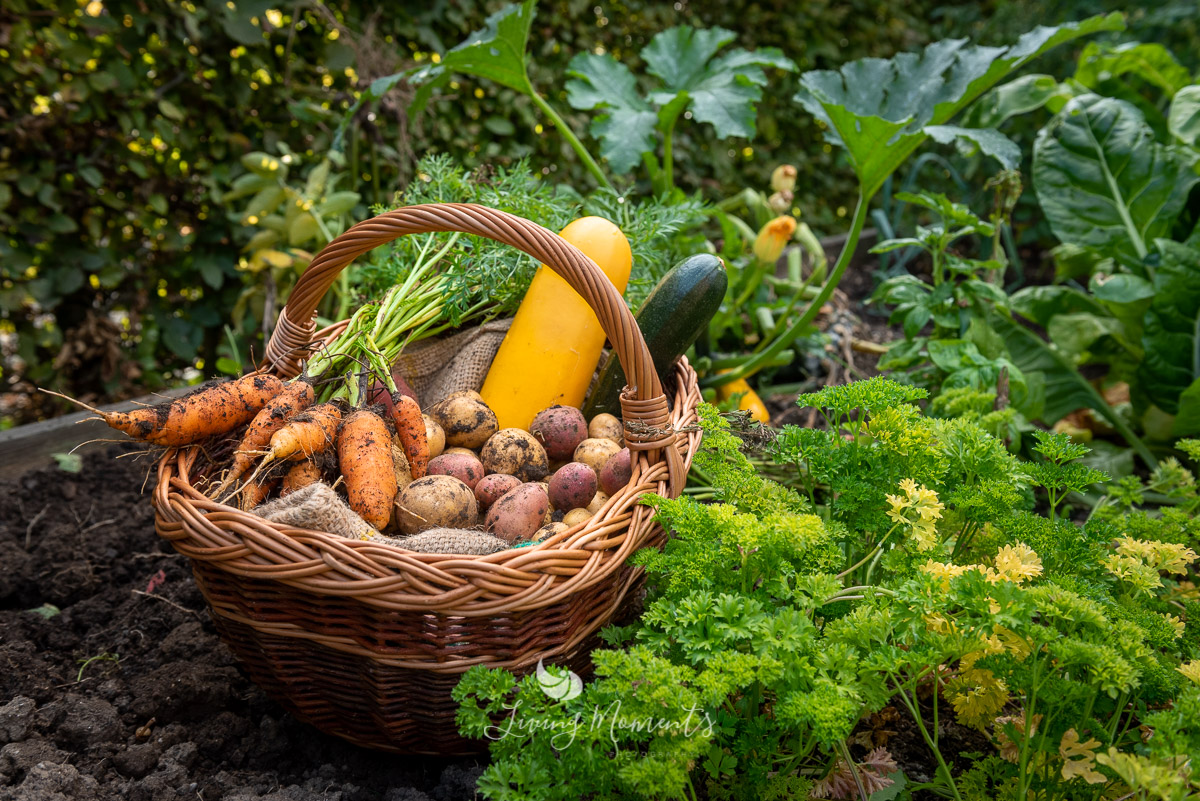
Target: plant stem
(572, 140)
(751, 366)
(668, 157)
(915, 711)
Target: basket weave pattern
(365, 640)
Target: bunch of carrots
(288, 438)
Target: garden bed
(161, 710)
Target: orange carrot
(256, 491)
(205, 413)
(306, 433)
(410, 427)
(296, 397)
(365, 459)
(300, 476)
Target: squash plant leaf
(720, 90)
(1104, 183)
(1183, 121)
(495, 52)
(878, 109)
(1172, 361)
(989, 141)
(1152, 63)
(1019, 96)
(626, 129)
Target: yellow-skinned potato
(467, 421)
(596, 451)
(598, 501)
(549, 530)
(434, 502)
(576, 516)
(607, 426)
(515, 453)
(435, 436)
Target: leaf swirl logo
(562, 688)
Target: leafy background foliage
(122, 128)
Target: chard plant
(882, 110)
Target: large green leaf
(495, 52)
(1183, 121)
(1019, 96)
(720, 90)
(1153, 63)
(1172, 360)
(878, 109)
(1103, 182)
(626, 129)
(989, 141)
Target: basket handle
(642, 402)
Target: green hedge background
(122, 123)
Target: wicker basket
(365, 640)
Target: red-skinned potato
(560, 429)
(616, 472)
(465, 467)
(574, 485)
(491, 488)
(519, 513)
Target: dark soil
(114, 685)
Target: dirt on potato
(114, 685)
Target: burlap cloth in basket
(436, 367)
(318, 507)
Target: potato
(516, 453)
(400, 462)
(435, 436)
(605, 426)
(559, 429)
(616, 471)
(465, 467)
(435, 501)
(457, 449)
(519, 513)
(491, 488)
(573, 486)
(598, 501)
(464, 393)
(595, 452)
(576, 516)
(549, 530)
(467, 421)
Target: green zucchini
(671, 318)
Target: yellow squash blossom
(773, 237)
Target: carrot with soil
(410, 428)
(208, 412)
(307, 433)
(365, 459)
(299, 476)
(296, 397)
